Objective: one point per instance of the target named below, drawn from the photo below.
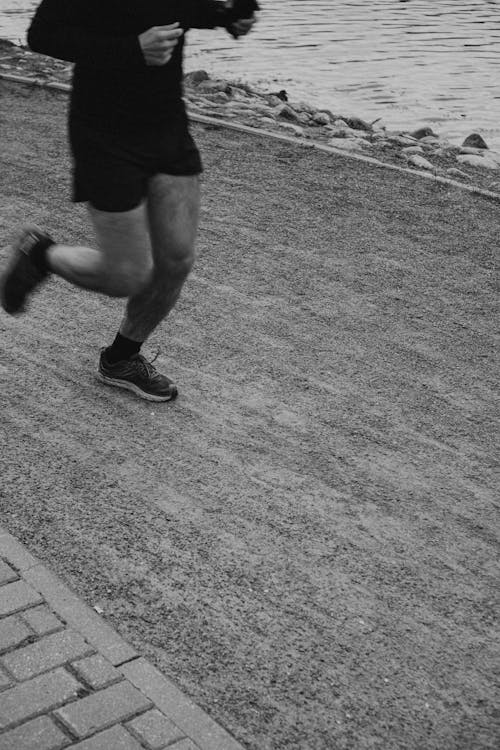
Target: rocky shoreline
(472, 162)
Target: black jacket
(112, 85)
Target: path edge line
(262, 132)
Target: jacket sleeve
(207, 14)
(63, 29)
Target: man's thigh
(173, 210)
(122, 236)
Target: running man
(135, 165)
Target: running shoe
(137, 375)
(23, 275)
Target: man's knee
(128, 279)
(177, 262)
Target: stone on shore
(214, 86)
(281, 95)
(471, 150)
(195, 77)
(474, 140)
(423, 133)
(430, 140)
(477, 161)
(401, 140)
(321, 118)
(420, 162)
(412, 150)
(295, 129)
(455, 172)
(356, 123)
(274, 111)
(284, 112)
(273, 100)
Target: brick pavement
(68, 680)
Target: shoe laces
(146, 367)
(156, 356)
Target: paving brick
(6, 573)
(96, 671)
(38, 734)
(15, 553)
(17, 596)
(154, 730)
(194, 722)
(42, 620)
(13, 632)
(47, 653)
(184, 745)
(116, 738)
(42, 694)
(72, 610)
(103, 709)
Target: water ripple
(432, 61)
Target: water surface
(421, 61)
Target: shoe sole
(14, 260)
(4, 280)
(135, 389)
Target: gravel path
(306, 542)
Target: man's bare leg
(173, 211)
(172, 208)
(145, 254)
(122, 263)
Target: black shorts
(111, 170)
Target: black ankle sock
(122, 348)
(39, 254)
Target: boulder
(282, 95)
(423, 133)
(273, 100)
(302, 107)
(419, 161)
(430, 140)
(219, 97)
(412, 150)
(213, 86)
(401, 140)
(474, 140)
(321, 118)
(284, 112)
(338, 132)
(304, 118)
(195, 77)
(455, 172)
(477, 161)
(357, 124)
(470, 150)
(249, 90)
(295, 129)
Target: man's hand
(242, 26)
(158, 43)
